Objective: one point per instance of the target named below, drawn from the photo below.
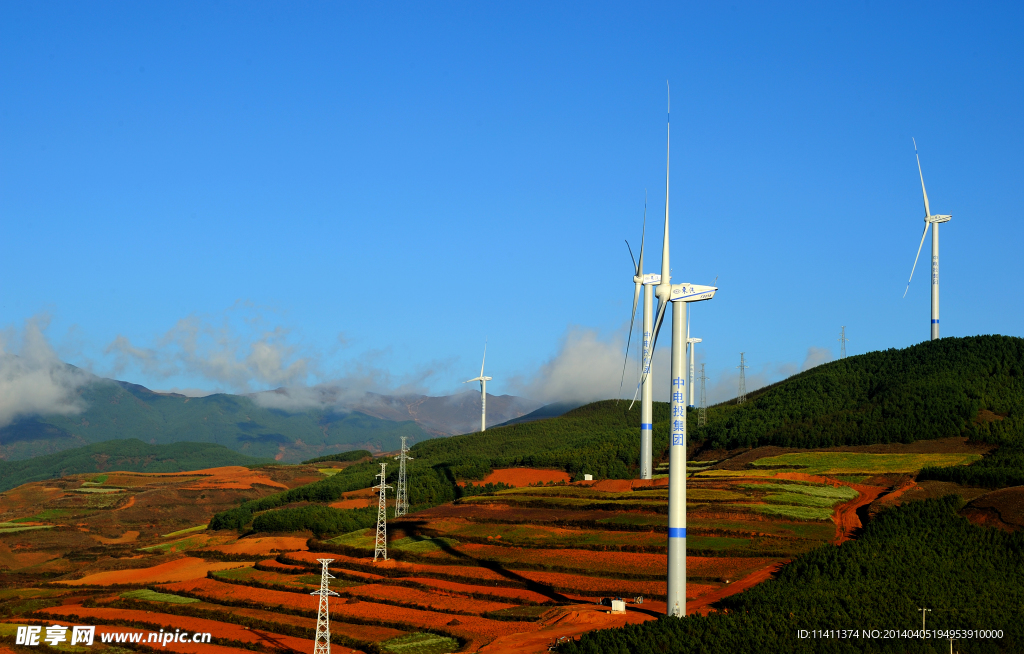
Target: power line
(743, 381)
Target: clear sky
(237, 195)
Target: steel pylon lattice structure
(402, 493)
(842, 343)
(702, 412)
(742, 397)
(381, 547)
(322, 644)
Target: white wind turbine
(647, 281)
(679, 295)
(933, 221)
(483, 391)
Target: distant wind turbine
(644, 387)
(929, 220)
(483, 390)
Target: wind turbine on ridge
(929, 221)
(483, 390)
(647, 281)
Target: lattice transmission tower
(402, 493)
(702, 412)
(842, 343)
(743, 381)
(381, 547)
(322, 644)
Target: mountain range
(255, 425)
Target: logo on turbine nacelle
(652, 278)
(691, 292)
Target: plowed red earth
(516, 595)
(179, 570)
(525, 476)
(475, 629)
(425, 599)
(223, 630)
(277, 566)
(263, 545)
(366, 633)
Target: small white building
(588, 477)
(618, 606)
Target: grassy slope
(130, 455)
(118, 410)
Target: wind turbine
(679, 295)
(483, 390)
(647, 281)
(929, 220)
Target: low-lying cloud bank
(33, 379)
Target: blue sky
(236, 196)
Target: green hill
(951, 387)
(130, 455)
(119, 410)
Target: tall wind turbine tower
(679, 295)
(483, 390)
(742, 397)
(648, 281)
(842, 343)
(322, 644)
(402, 493)
(933, 222)
(381, 547)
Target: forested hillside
(919, 555)
(970, 386)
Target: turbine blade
(654, 340)
(664, 242)
(927, 210)
(485, 359)
(635, 394)
(631, 256)
(923, 235)
(636, 298)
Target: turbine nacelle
(937, 219)
(691, 292)
(478, 379)
(649, 279)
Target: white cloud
(33, 380)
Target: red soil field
(224, 630)
(566, 623)
(432, 601)
(517, 595)
(358, 503)
(367, 633)
(277, 566)
(623, 485)
(702, 605)
(126, 537)
(591, 561)
(478, 630)
(267, 545)
(130, 503)
(524, 477)
(179, 570)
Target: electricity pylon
(702, 412)
(402, 494)
(381, 547)
(743, 381)
(322, 644)
(842, 343)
